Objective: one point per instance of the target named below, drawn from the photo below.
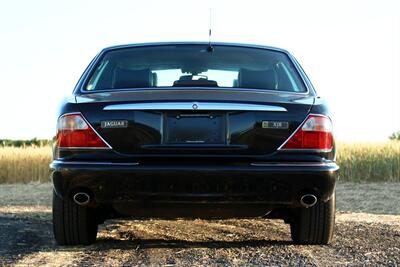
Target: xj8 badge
(114, 124)
(275, 124)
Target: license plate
(186, 128)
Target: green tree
(395, 136)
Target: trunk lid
(195, 121)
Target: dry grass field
(357, 161)
(24, 164)
(369, 161)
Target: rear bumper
(132, 187)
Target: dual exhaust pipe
(81, 198)
(308, 200)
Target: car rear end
(179, 130)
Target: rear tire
(314, 225)
(73, 224)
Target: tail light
(74, 132)
(314, 133)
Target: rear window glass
(194, 66)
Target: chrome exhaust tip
(308, 200)
(81, 198)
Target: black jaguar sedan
(194, 130)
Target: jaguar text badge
(114, 124)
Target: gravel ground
(367, 233)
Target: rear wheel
(314, 225)
(73, 224)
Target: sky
(350, 49)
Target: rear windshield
(195, 66)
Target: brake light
(74, 131)
(315, 133)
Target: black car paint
(244, 127)
(112, 184)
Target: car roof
(194, 43)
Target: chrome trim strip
(95, 163)
(304, 150)
(295, 164)
(88, 123)
(290, 136)
(306, 81)
(195, 106)
(83, 148)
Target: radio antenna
(210, 48)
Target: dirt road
(363, 237)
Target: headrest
(125, 78)
(260, 79)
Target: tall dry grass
(357, 161)
(24, 164)
(369, 161)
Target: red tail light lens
(315, 133)
(74, 131)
